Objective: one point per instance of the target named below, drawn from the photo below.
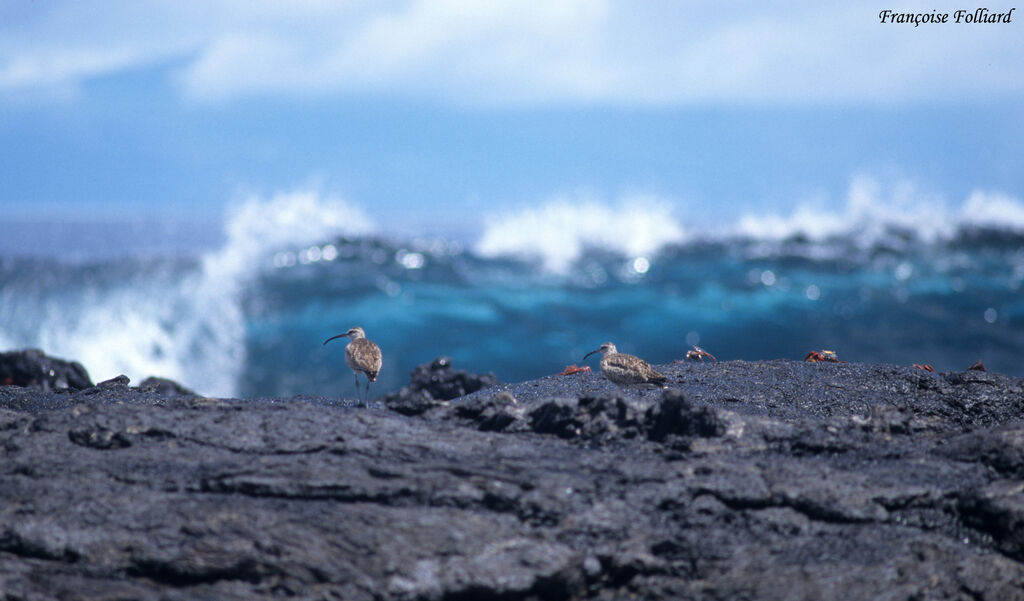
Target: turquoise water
(246, 316)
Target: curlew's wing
(365, 356)
(627, 368)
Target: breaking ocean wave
(559, 232)
(890, 277)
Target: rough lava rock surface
(434, 383)
(741, 480)
(32, 368)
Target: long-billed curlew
(626, 370)
(361, 355)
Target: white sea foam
(160, 321)
(558, 232)
(287, 220)
(145, 327)
(6, 342)
(871, 213)
(994, 210)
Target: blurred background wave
(879, 279)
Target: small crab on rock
(822, 357)
(573, 369)
(697, 354)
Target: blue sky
(424, 111)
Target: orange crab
(925, 367)
(822, 357)
(573, 369)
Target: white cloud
(504, 52)
(57, 47)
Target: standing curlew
(626, 370)
(361, 355)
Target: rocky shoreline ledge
(742, 480)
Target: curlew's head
(355, 334)
(607, 348)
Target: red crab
(573, 369)
(698, 354)
(822, 356)
(925, 367)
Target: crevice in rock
(180, 574)
(16, 544)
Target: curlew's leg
(355, 376)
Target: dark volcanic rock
(767, 480)
(165, 387)
(431, 383)
(35, 369)
(32, 368)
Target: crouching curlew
(626, 370)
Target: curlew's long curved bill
(591, 353)
(335, 337)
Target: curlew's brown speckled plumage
(361, 355)
(626, 370)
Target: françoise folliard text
(978, 15)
